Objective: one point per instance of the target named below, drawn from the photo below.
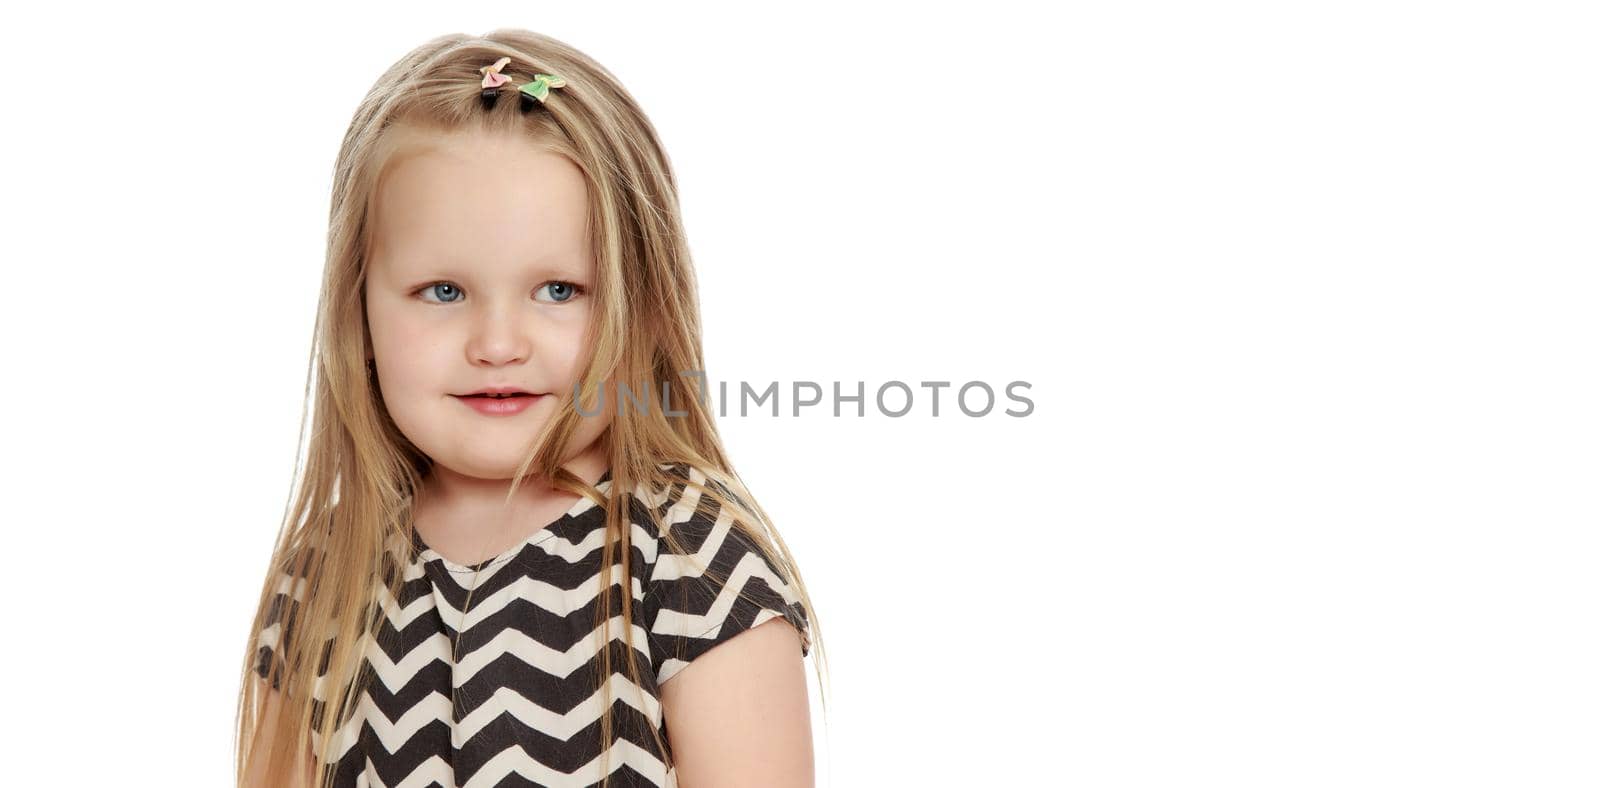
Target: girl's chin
(490, 469)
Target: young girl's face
(481, 275)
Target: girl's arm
(256, 777)
(738, 715)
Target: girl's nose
(499, 339)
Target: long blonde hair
(351, 496)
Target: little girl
(479, 583)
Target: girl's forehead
(467, 194)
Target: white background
(1305, 294)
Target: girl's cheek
(572, 352)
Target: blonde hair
(350, 499)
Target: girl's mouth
(499, 404)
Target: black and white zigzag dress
(527, 710)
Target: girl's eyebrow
(558, 268)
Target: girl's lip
(501, 406)
(496, 390)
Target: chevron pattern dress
(518, 703)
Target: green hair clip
(539, 89)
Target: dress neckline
(579, 507)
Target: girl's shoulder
(679, 494)
(713, 579)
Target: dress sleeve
(687, 612)
(278, 631)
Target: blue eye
(562, 291)
(436, 288)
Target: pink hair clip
(492, 80)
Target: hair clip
(492, 80)
(539, 89)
